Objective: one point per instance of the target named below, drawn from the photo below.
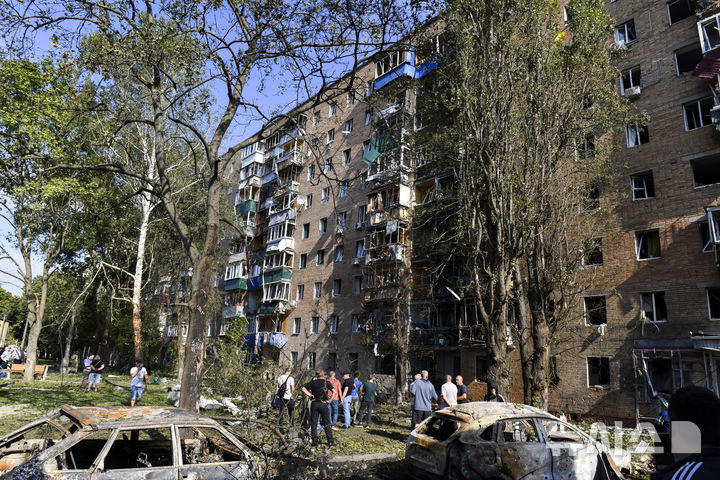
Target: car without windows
(123, 443)
(505, 441)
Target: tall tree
(523, 92)
(39, 127)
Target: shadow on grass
(389, 434)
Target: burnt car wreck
(508, 441)
(94, 443)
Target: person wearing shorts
(138, 375)
(96, 367)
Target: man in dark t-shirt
(462, 395)
(317, 390)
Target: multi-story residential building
(331, 262)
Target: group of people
(11, 354)
(422, 394)
(92, 372)
(326, 395)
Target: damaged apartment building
(337, 201)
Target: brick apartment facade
(325, 209)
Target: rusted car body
(508, 441)
(124, 443)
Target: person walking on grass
(96, 368)
(367, 393)
(138, 375)
(285, 387)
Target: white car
(505, 441)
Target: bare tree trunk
(68, 342)
(35, 329)
(146, 207)
(524, 336)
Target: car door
(210, 453)
(76, 457)
(523, 451)
(138, 453)
(575, 456)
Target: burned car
(508, 441)
(95, 443)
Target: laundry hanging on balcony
(377, 146)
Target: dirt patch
(6, 410)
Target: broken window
(519, 430)
(652, 306)
(303, 261)
(713, 215)
(353, 361)
(359, 248)
(201, 445)
(592, 254)
(389, 62)
(368, 116)
(661, 374)
(314, 324)
(347, 130)
(680, 9)
(339, 253)
(297, 325)
(647, 244)
(705, 239)
(323, 226)
(333, 324)
(318, 289)
(598, 371)
(82, 454)
(630, 78)
(713, 299)
(636, 134)
(687, 58)
(337, 287)
(325, 195)
(346, 159)
(320, 257)
(330, 135)
(709, 29)
(33, 440)
(355, 322)
(595, 310)
(697, 113)
(311, 360)
(439, 428)
(625, 33)
(333, 109)
(141, 448)
(341, 219)
(706, 171)
(481, 367)
(643, 185)
(560, 432)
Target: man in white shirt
(284, 388)
(448, 393)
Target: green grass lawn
(22, 402)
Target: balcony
(290, 186)
(395, 212)
(233, 311)
(236, 257)
(263, 339)
(387, 253)
(384, 293)
(281, 244)
(292, 157)
(437, 337)
(284, 273)
(243, 208)
(251, 181)
(236, 284)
